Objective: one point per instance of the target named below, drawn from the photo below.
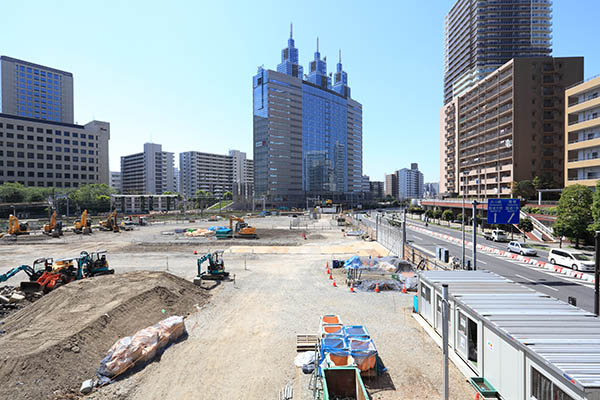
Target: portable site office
(524, 343)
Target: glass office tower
(307, 133)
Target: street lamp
(463, 217)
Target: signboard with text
(503, 211)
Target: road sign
(503, 211)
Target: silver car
(522, 248)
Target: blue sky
(180, 73)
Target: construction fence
(390, 237)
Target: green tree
(538, 183)
(524, 190)
(437, 214)
(595, 225)
(93, 197)
(574, 212)
(12, 193)
(448, 215)
(429, 214)
(459, 217)
(228, 195)
(526, 226)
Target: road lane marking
(527, 279)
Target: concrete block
(4, 300)
(16, 297)
(87, 386)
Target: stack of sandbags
(142, 346)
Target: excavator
(54, 228)
(94, 264)
(110, 224)
(82, 225)
(216, 268)
(242, 229)
(15, 228)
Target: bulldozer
(54, 228)
(82, 225)
(242, 229)
(110, 224)
(216, 268)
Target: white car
(576, 260)
(522, 248)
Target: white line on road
(536, 282)
(416, 237)
(527, 279)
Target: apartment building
(377, 190)
(480, 36)
(410, 183)
(149, 172)
(582, 127)
(115, 180)
(391, 185)
(215, 173)
(508, 127)
(53, 154)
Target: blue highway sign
(503, 211)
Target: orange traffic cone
(334, 285)
(330, 276)
(403, 287)
(327, 264)
(352, 287)
(477, 396)
(377, 288)
(328, 271)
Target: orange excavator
(110, 224)
(55, 274)
(16, 228)
(82, 225)
(54, 228)
(242, 229)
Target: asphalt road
(553, 284)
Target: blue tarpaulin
(353, 263)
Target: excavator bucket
(30, 287)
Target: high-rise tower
(480, 36)
(307, 134)
(340, 79)
(289, 58)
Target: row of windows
(68, 167)
(38, 72)
(58, 175)
(45, 183)
(48, 148)
(40, 156)
(41, 130)
(48, 140)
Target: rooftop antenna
(291, 30)
(317, 44)
(340, 56)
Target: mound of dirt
(54, 344)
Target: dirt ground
(241, 343)
(53, 345)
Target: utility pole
(597, 276)
(403, 232)
(474, 235)
(445, 338)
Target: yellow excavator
(242, 229)
(54, 228)
(110, 224)
(15, 228)
(82, 225)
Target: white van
(576, 260)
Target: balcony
(582, 120)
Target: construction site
(257, 308)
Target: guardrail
(537, 224)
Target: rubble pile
(12, 299)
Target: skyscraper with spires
(307, 133)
